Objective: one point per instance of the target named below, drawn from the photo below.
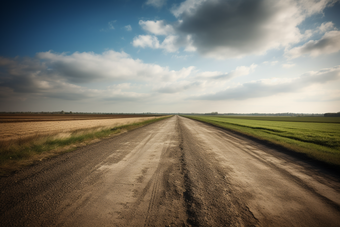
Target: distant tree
(332, 114)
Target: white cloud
(272, 63)
(128, 28)
(119, 78)
(187, 6)
(146, 41)
(176, 87)
(239, 71)
(223, 29)
(325, 27)
(287, 66)
(156, 3)
(188, 42)
(156, 27)
(110, 26)
(67, 76)
(232, 29)
(315, 6)
(184, 57)
(329, 43)
(270, 87)
(244, 70)
(169, 43)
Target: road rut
(176, 172)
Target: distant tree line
(288, 114)
(332, 114)
(212, 113)
(263, 114)
(71, 112)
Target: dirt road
(176, 172)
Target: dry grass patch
(20, 152)
(17, 130)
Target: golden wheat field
(18, 127)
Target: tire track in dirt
(107, 183)
(273, 188)
(156, 188)
(210, 200)
(165, 190)
(251, 148)
(135, 195)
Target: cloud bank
(70, 76)
(328, 44)
(231, 29)
(270, 87)
(116, 77)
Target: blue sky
(171, 56)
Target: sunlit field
(24, 141)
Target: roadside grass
(15, 154)
(318, 138)
(285, 118)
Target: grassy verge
(318, 140)
(19, 153)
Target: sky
(226, 56)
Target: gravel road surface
(176, 172)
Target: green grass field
(318, 137)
